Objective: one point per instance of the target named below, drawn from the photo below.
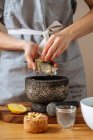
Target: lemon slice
(17, 108)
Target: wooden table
(9, 131)
(80, 131)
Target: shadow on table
(53, 129)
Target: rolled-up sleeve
(2, 27)
(1, 9)
(1, 14)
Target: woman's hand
(56, 45)
(8, 42)
(31, 52)
(59, 42)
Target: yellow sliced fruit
(16, 108)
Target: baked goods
(35, 122)
(45, 67)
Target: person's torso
(37, 15)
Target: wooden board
(7, 116)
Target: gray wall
(86, 46)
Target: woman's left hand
(56, 45)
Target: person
(61, 46)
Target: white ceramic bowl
(87, 111)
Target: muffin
(35, 122)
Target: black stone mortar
(46, 89)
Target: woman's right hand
(30, 52)
(8, 42)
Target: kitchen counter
(80, 131)
(15, 131)
(10, 131)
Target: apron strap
(24, 31)
(53, 28)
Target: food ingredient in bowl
(35, 122)
(45, 67)
(16, 108)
